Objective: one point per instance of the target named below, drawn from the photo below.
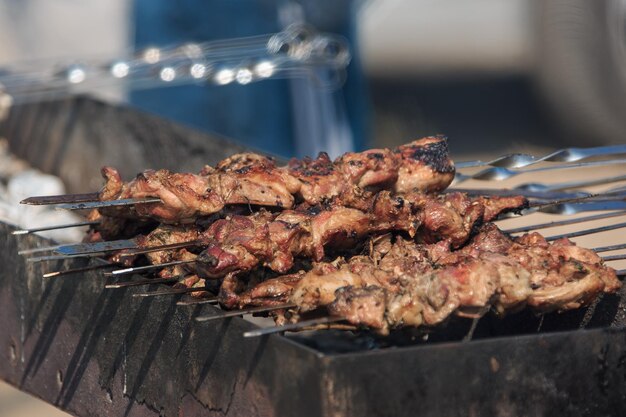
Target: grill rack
(92, 352)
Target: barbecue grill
(95, 352)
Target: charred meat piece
(273, 291)
(424, 165)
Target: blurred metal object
(58, 226)
(297, 52)
(5, 103)
(520, 160)
(499, 173)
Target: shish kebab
(253, 244)
(403, 283)
(332, 185)
(349, 181)
(252, 180)
(255, 180)
(243, 242)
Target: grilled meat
(274, 240)
(111, 228)
(165, 235)
(409, 284)
(424, 166)
(529, 271)
(240, 243)
(251, 179)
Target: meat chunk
(405, 285)
(424, 165)
(364, 306)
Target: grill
(95, 352)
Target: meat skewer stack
(366, 238)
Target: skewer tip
(169, 292)
(20, 232)
(145, 294)
(51, 274)
(197, 302)
(118, 272)
(253, 333)
(215, 317)
(243, 312)
(293, 326)
(111, 286)
(138, 283)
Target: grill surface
(94, 352)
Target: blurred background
(489, 74)
(494, 76)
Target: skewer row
(133, 249)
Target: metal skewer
(172, 291)
(609, 248)
(513, 192)
(96, 247)
(61, 199)
(63, 257)
(130, 245)
(586, 231)
(519, 160)
(499, 173)
(160, 248)
(565, 222)
(77, 270)
(619, 257)
(199, 301)
(38, 250)
(109, 203)
(59, 226)
(294, 326)
(617, 196)
(140, 282)
(542, 191)
(136, 269)
(590, 202)
(242, 312)
(582, 207)
(538, 187)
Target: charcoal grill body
(105, 353)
